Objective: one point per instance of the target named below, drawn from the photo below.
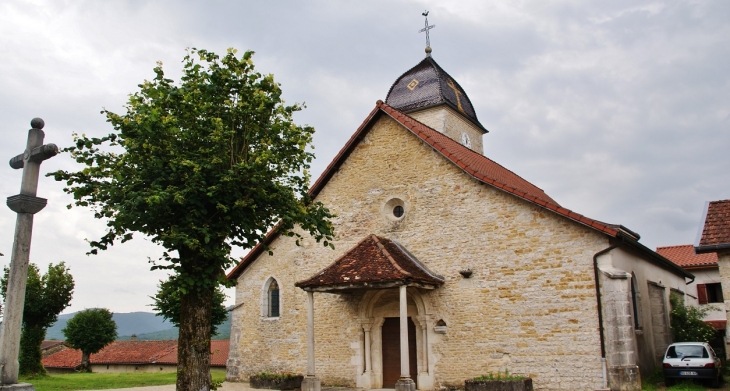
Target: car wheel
(668, 382)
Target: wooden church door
(391, 351)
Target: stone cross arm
(37, 154)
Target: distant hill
(146, 325)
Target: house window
(709, 293)
(272, 295)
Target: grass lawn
(100, 381)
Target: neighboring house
(49, 347)
(483, 269)
(714, 237)
(131, 356)
(706, 290)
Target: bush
(687, 324)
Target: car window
(687, 351)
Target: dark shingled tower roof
(427, 85)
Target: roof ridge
(333, 262)
(676, 245)
(390, 258)
(415, 260)
(471, 151)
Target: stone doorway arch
(375, 307)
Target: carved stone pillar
(405, 383)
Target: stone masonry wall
(447, 121)
(529, 308)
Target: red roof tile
(133, 352)
(685, 256)
(716, 227)
(218, 354)
(371, 263)
(66, 358)
(50, 343)
(474, 164)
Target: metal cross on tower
(25, 204)
(425, 29)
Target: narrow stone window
(273, 295)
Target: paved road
(227, 386)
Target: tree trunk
(84, 367)
(193, 344)
(30, 351)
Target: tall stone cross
(25, 204)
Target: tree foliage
(687, 324)
(212, 162)
(45, 297)
(89, 331)
(167, 304)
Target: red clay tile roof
(50, 343)
(218, 356)
(133, 352)
(716, 227)
(373, 262)
(66, 358)
(476, 165)
(685, 256)
(117, 352)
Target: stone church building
(448, 266)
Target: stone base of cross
(25, 204)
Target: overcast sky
(619, 110)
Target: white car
(691, 360)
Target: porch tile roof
(373, 262)
(685, 256)
(716, 228)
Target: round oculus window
(398, 211)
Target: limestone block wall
(530, 306)
(653, 334)
(447, 121)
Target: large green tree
(89, 331)
(167, 304)
(45, 297)
(211, 162)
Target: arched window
(272, 299)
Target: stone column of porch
(405, 383)
(366, 377)
(310, 382)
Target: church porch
(385, 271)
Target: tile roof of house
(50, 343)
(133, 352)
(372, 263)
(218, 354)
(715, 227)
(685, 256)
